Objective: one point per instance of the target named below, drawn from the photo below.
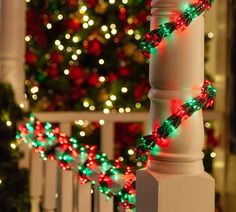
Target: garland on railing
(154, 38)
(92, 165)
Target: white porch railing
(59, 190)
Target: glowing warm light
(60, 47)
(85, 25)
(22, 105)
(210, 35)
(137, 36)
(13, 146)
(213, 154)
(113, 31)
(49, 26)
(104, 28)
(92, 108)
(127, 110)
(112, 26)
(67, 36)
(57, 42)
(124, 1)
(101, 61)
(121, 110)
(124, 90)
(130, 32)
(27, 38)
(107, 35)
(79, 122)
(102, 79)
(78, 51)
(66, 71)
(86, 103)
(74, 57)
(109, 103)
(138, 105)
(91, 22)
(130, 152)
(8, 123)
(82, 133)
(112, 1)
(34, 97)
(75, 39)
(83, 9)
(101, 122)
(113, 97)
(106, 110)
(60, 17)
(85, 18)
(34, 89)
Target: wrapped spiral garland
(114, 179)
(154, 38)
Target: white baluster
(36, 182)
(107, 146)
(66, 195)
(50, 190)
(84, 198)
(24, 162)
(174, 179)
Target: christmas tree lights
(154, 38)
(69, 46)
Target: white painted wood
(176, 73)
(66, 191)
(101, 204)
(107, 146)
(64, 116)
(107, 138)
(66, 195)
(84, 198)
(36, 181)
(50, 182)
(12, 45)
(24, 162)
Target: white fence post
(174, 179)
(66, 179)
(36, 182)
(50, 189)
(107, 146)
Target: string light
(124, 90)
(49, 26)
(13, 146)
(153, 38)
(113, 98)
(8, 123)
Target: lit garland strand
(160, 134)
(94, 166)
(91, 165)
(153, 38)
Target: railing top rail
(69, 116)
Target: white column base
(157, 192)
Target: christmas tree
(13, 181)
(84, 55)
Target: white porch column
(174, 179)
(12, 45)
